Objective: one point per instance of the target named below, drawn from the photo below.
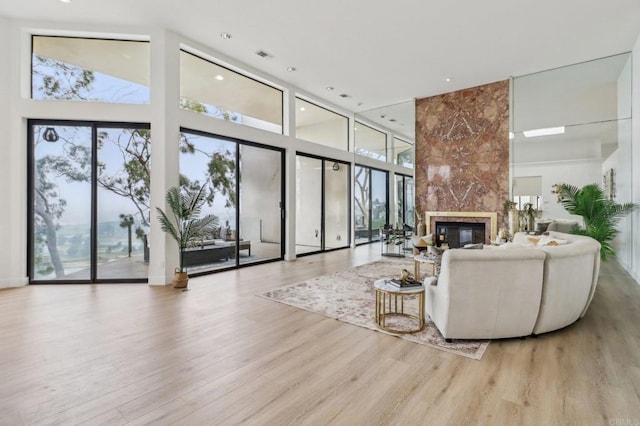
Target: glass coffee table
(390, 303)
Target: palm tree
(600, 214)
(185, 225)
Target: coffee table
(387, 298)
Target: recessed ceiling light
(291, 69)
(219, 77)
(511, 135)
(543, 132)
(447, 79)
(225, 36)
(65, 1)
(329, 88)
(301, 108)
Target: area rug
(349, 296)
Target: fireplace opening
(458, 234)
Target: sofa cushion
(546, 240)
(478, 246)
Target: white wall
(308, 201)
(578, 173)
(634, 268)
(336, 206)
(9, 253)
(260, 190)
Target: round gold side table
(421, 258)
(390, 303)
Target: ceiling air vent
(344, 95)
(264, 54)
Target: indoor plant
(184, 224)
(599, 213)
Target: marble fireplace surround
(490, 220)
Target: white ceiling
(380, 53)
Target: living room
(331, 383)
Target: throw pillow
(550, 241)
(533, 240)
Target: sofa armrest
(430, 281)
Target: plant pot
(180, 279)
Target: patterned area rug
(349, 296)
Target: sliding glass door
(308, 205)
(88, 201)
(245, 187)
(405, 200)
(371, 203)
(322, 204)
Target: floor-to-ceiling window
(322, 204)
(371, 203)
(405, 199)
(245, 192)
(88, 201)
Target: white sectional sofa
(514, 290)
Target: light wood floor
(217, 354)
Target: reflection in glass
(84, 69)
(260, 231)
(370, 142)
(319, 125)
(211, 89)
(336, 206)
(308, 204)
(322, 204)
(211, 160)
(61, 222)
(403, 153)
(592, 102)
(379, 201)
(405, 204)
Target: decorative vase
(180, 279)
(422, 228)
(514, 221)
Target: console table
(395, 242)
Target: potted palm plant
(184, 223)
(600, 214)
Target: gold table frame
(417, 260)
(385, 294)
